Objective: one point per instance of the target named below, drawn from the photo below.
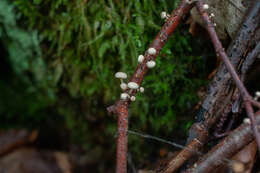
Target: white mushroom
(257, 95)
(121, 75)
(132, 98)
(164, 15)
(152, 51)
(140, 58)
(132, 85)
(247, 121)
(205, 6)
(124, 96)
(123, 86)
(141, 89)
(189, 1)
(150, 64)
(212, 15)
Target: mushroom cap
(205, 6)
(141, 89)
(124, 96)
(132, 85)
(189, 1)
(132, 98)
(152, 51)
(121, 75)
(163, 15)
(123, 86)
(140, 58)
(150, 64)
(247, 121)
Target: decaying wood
(224, 150)
(229, 15)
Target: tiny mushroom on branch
(141, 89)
(140, 58)
(150, 64)
(257, 95)
(121, 76)
(123, 86)
(246, 121)
(212, 15)
(124, 96)
(151, 51)
(164, 15)
(205, 6)
(132, 86)
(132, 98)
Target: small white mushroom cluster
(164, 15)
(131, 85)
(257, 95)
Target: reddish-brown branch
(190, 150)
(122, 125)
(220, 51)
(120, 108)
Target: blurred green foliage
(83, 43)
(23, 71)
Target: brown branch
(120, 108)
(224, 150)
(220, 51)
(191, 149)
(121, 149)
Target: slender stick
(120, 108)
(121, 149)
(220, 51)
